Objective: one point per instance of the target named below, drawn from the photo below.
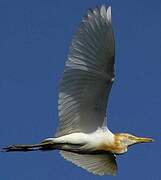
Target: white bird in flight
(83, 136)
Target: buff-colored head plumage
(124, 140)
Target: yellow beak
(143, 140)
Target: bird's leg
(33, 147)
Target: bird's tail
(49, 145)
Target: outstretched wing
(88, 75)
(100, 164)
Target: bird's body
(99, 140)
(83, 136)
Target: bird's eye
(131, 137)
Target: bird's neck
(115, 145)
(119, 146)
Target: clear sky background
(34, 40)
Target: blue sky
(34, 42)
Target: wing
(88, 75)
(100, 164)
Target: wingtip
(109, 16)
(105, 12)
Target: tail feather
(31, 147)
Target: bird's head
(124, 140)
(129, 139)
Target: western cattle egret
(83, 136)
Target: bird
(83, 136)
